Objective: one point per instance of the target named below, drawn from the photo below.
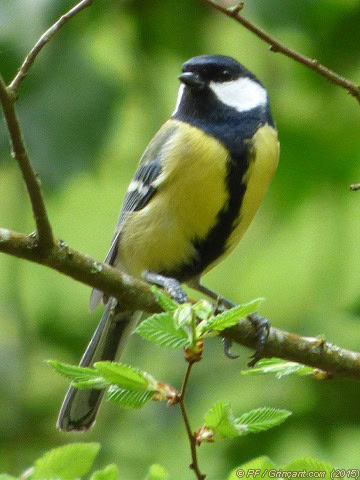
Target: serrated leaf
(220, 420)
(68, 462)
(231, 317)
(260, 419)
(111, 472)
(260, 463)
(5, 476)
(160, 329)
(125, 376)
(183, 315)
(309, 464)
(157, 472)
(278, 367)
(129, 398)
(75, 373)
(167, 303)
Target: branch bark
(276, 46)
(136, 295)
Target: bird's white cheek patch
(242, 94)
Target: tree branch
(43, 40)
(43, 227)
(131, 293)
(8, 98)
(276, 46)
(135, 295)
(312, 351)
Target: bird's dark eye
(226, 75)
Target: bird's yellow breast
(191, 190)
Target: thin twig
(192, 441)
(194, 465)
(186, 379)
(276, 46)
(43, 40)
(43, 227)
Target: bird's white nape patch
(180, 94)
(242, 94)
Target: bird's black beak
(192, 79)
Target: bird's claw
(227, 349)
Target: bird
(196, 190)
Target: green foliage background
(91, 103)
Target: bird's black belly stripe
(213, 245)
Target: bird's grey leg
(171, 285)
(196, 285)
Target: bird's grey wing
(140, 191)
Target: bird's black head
(218, 85)
(200, 71)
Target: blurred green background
(88, 108)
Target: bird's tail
(80, 407)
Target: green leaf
(183, 315)
(129, 398)
(167, 303)
(260, 419)
(309, 464)
(231, 317)
(98, 383)
(260, 463)
(5, 476)
(203, 310)
(220, 420)
(157, 472)
(68, 462)
(160, 329)
(111, 472)
(74, 373)
(279, 367)
(126, 377)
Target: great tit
(198, 186)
